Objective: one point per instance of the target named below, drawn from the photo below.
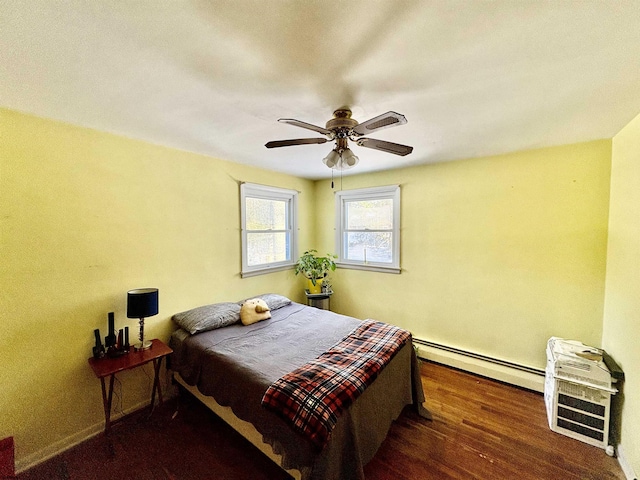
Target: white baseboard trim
(626, 467)
(524, 377)
(71, 441)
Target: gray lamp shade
(142, 302)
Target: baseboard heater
(495, 368)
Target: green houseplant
(315, 268)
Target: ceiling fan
(343, 128)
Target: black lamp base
(144, 344)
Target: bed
(229, 366)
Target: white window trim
(253, 190)
(390, 191)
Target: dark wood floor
(481, 429)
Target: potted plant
(315, 268)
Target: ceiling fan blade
(308, 126)
(389, 147)
(299, 141)
(386, 120)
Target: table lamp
(142, 303)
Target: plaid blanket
(312, 397)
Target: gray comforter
(236, 364)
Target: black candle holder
(114, 345)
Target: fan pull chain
(332, 178)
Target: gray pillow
(208, 317)
(274, 300)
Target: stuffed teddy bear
(253, 311)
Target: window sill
(370, 268)
(262, 271)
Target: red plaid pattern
(312, 397)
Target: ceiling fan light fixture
(348, 159)
(332, 159)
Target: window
(269, 228)
(368, 228)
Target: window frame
(372, 193)
(265, 192)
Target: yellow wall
(84, 217)
(622, 302)
(498, 253)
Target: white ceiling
(473, 77)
